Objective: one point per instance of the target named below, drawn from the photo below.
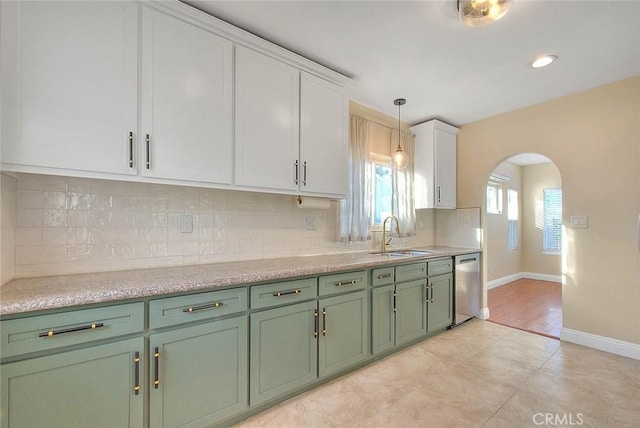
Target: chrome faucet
(384, 243)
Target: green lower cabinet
(91, 387)
(383, 330)
(439, 306)
(410, 306)
(343, 332)
(198, 374)
(284, 350)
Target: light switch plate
(310, 223)
(186, 223)
(579, 221)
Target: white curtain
(355, 209)
(402, 202)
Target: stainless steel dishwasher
(467, 285)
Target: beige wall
(536, 178)
(593, 137)
(501, 261)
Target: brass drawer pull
(315, 323)
(91, 326)
(203, 307)
(324, 321)
(286, 293)
(384, 275)
(156, 373)
(136, 373)
(340, 283)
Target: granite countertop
(55, 292)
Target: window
(512, 219)
(381, 188)
(552, 221)
(494, 198)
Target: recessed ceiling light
(543, 61)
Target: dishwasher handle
(467, 259)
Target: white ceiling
(420, 51)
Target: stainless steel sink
(404, 253)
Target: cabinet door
(323, 136)
(284, 351)
(440, 308)
(267, 122)
(69, 78)
(410, 307)
(201, 374)
(382, 319)
(343, 330)
(445, 169)
(92, 387)
(187, 101)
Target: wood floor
(529, 305)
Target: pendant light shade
(399, 158)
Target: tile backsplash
(66, 225)
(8, 227)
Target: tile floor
(480, 374)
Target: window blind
(552, 221)
(512, 219)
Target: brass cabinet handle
(296, 171)
(384, 275)
(324, 321)
(156, 369)
(340, 283)
(430, 293)
(315, 323)
(286, 293)
(202, 307)
(147, 140)
(91, 326)
(130, 149)
(136, 373)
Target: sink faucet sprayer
(384, 243)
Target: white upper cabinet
(69, 78)
(267, 126)
(435, 165)
(187, 101)
(291, 128)
(323, 136)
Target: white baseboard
(602, 343)
(483, 314)
(504, 280)
(520, 275)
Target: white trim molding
(602, 343)
(520, 275)
(483, 314)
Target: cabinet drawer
(44, 332)
(196, 307)
(412, 271)
(281, 293)
(382, 276)
(438, 267)
(339, 283)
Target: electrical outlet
(580, 221)
(186, 223)
(310, 223)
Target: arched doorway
(523, 248)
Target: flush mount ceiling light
(543, 61)
(400, 158)
(478, 13)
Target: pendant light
(400, 158)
